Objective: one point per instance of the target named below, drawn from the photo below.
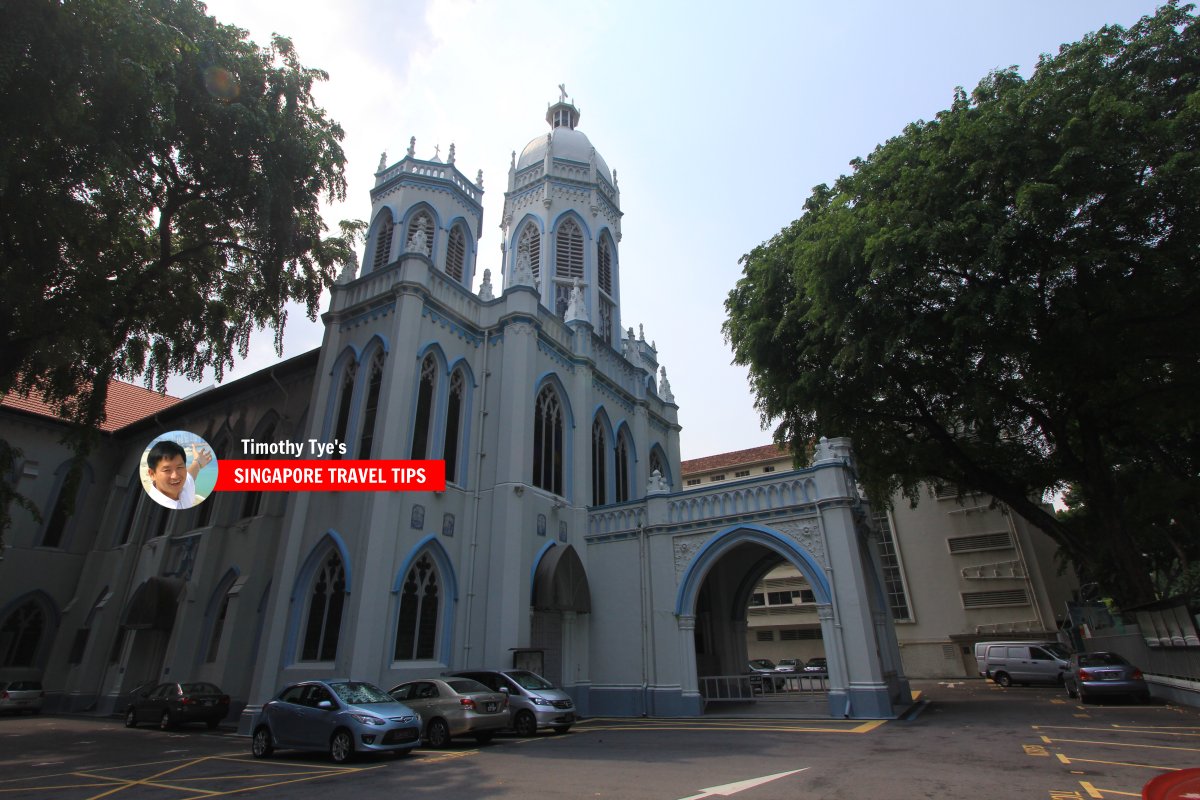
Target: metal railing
(762, 687)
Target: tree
(1006, 299)
(160, 176)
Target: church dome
(565, 142)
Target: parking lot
(966, 739)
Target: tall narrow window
(605, 328)
(345, 396)
(604, 266)
(456, 253)
(568, 263)
(58, 521)
(422, 223)
(214, 640)
(529, 246)
(371, 407)
(421, 433)
(599, 464)
(893, 578)
(383, 241)
(548, 441)
(21, 634)
(622, 467)
(454, 412)
(133, 502)
(325, 611)
(656, 464)
(417, 628)
(252, 501)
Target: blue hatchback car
(340, 717)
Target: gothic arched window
(599, 464)
(456, 253)
(454, 426)
(417, 627)
(345, 396)
(325, 603)
(604, 277)
(529, 245)
(622, 467)
(423, 418)
(371, 407)
(423, 222)
(656, 464)
(383, 241)
(548, 441)
(21, 634)
(568, 263)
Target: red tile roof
(125, 405)
(768, 452)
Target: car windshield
(1101, 660)
(529, 680)
(816, 662)
(357, 694)
(787, 662)
(762, 663)
(467, 686)
(199, 688)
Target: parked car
(454, 707)
(339, 717)
(170, 704)
(534, 702)
(981, 649)
(760, 667)
(816, 667)
(1093, 674)
(19, 697)
(1024, 663)
(789, 665)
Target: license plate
(490, 706)
(1110, 676)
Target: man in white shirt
(172, 479)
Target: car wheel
(341, 746)
(1002, 679)
(130, 719)
(1084, 698)
(165, 723)
(261, 745)
(485, 737)
(437, 733)
(212, 723)
(525, 723)
(1072, 692)
(560, 729)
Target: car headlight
(541, 701)
(367, 719)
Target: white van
(1022, 662)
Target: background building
(956, 571)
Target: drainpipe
(473, 549)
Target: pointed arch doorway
(560, 594)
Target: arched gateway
(701, 553)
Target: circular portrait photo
(178, 470)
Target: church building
(563, 541)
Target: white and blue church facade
(562, 540)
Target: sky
(719, 119)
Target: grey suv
(535, 702)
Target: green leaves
(1006, 297)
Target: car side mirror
(325, 705)
(504, 689)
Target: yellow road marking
(1073, 760)
(28, 778)
(60, 786)
(1094, 792)
(615, 724)
(1124, 744)
(1119, 726)
(1111, 729)
(125, 783)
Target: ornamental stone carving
(808, 536)
(686, 548)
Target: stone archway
(560, 594)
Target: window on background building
(421, 423)
(21, 634)
(454, 418)
(325, 603)
(371, 406)
(742, 473)
(716, 478)
(456, 253)
(893, 577)
(383, 241)
(693, 481)
(417, 628)
(568, 263)
(548, 441)
(768, 469)
(599, 464)
(345, 397)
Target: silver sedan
(455, 707)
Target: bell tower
(562, 224)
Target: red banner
(377, 475)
